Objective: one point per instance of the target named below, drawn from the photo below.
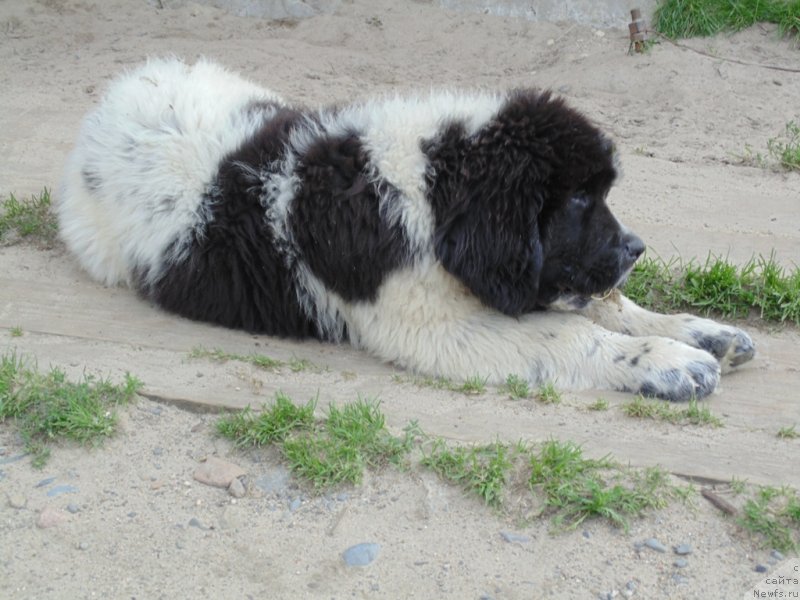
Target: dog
(452, 234)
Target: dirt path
(682, 122)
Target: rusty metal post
(638, 31)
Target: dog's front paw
(670, 370)
(729, 345)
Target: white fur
(156, 140)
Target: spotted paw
(731, 346)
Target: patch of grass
(15, 332)
(692, 18)
(694, 412)
(577, 488)
(272, 424)
(325, 453)
(786, 149)
(471, 386)
(481, 470)
(28, 218)
(296, 365)
(517, 387)
(788, 433)
(548, 394)
(46, 407)
(718, 287)
(600, 404)
(774, 515)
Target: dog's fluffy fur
(452, 234)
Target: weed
(690, 18)
(517, 387)
(48, 407)
(788, 433)
(598, 405)
(260, 361)
(480, 469)
(473, 385)
(718, 287)
(786, 150)
(273, 424)
(15, 332)
(548, 394)
(774, 515)
(695, 413)
(737, 486)
(576, 488)
(333, 451)
(30, 218)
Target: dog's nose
(633, 245)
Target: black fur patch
(336, 220)
(234, 275)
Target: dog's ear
(487, 192)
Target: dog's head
(520, 206)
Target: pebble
(73, 508)
(587, 534)
(45, 481)
(83, 546)
(295, 504)
(760, 569)
(654, 544)
(237, 489)
(681, 563)
(217, 472)
(512, 538)
(17, 501)
(194, 522)
(776, 555)
(50, 517)
(57, 490)
(361, 555)
(682, 549)
(679, 579)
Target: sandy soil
(132, 521)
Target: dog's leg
(730, 345)
(425, 320)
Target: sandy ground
(133, 523)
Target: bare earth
(142, 527)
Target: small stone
(776, 555)
(361, 555)
(50, 517)
(17, 501)
(237, 489)
(57, 490)
(678, 579)
(760, 569)
(514, 538)
(83, 546)
(630, 586)
(194, 522)
(295, 504)
(681, 563)
(45, 481)
(217, 472)
(600, 34)
(587, 534)
(682, 549)
(73, 508)
(654, 544)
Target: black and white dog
(453, 234)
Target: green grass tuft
(788, 433)
(548, 394)
(517, 387)
(31, 218)
(786, 149)
(600, 404)
(481, 470)
(694, 412)
(576, 488)
(325, 453)
(718, 287)
(693, 18)
(296, 365)
(47, 407)
(15, 332)
(774, 515)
